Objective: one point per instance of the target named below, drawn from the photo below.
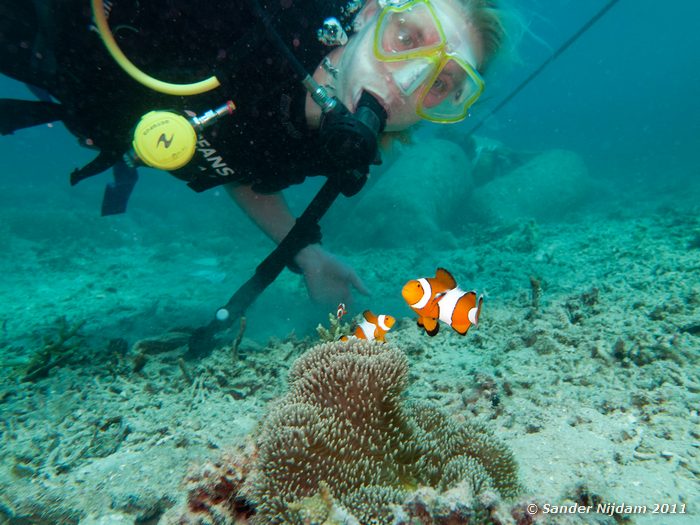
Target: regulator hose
(98, 13)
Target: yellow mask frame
(437, 54)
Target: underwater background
(574, 209)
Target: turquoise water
(623, 97)
(577, 218)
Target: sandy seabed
(585, 360)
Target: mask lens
(403, 31)
(451, 92)
(412, 75)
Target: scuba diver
(257, 123)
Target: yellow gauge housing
(164, 140)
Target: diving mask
(409, 33)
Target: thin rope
(544, 64)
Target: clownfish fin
(433, 332)
(445, 277)
(432, 308)
(461, 329)
(430, 325)
(419, 321)
(477, 313)
(369, 316)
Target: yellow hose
(196, 88)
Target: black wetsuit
(52, 44)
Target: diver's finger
(358, 284)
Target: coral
(160, 344)
(321, 508)
(337, 328)
(213, 493)
(343, 430)
(464, 469)
(58, 348)
(536, 292)
(457, 506)
(239, 337)
(524, 237)
(464, 452)
(376, 503)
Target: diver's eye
(449, 83)
(405, 39)
(407, 35)
(441, 86)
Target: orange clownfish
(439, 298)
(373, 327)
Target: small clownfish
(341, 311)
(439, 298)
(372, 327)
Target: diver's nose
(411, 75)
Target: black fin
(20, 114)
(445, 277)
(39, 93)
(117, 193)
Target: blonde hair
(487, 17)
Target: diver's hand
(328, 280)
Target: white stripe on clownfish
(367, 329)
(448, 302)
(473, 314)
(381, 322)
(427, 294)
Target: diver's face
(360, 70)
